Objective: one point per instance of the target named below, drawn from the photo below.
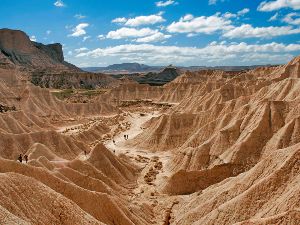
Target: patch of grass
(67, 93)
(91, 93)
(63, 94)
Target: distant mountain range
(124, 68)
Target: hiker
(26, 158)
(85, 152)
(20, 158)
(114, 142)
(114, 151)
(125, 136)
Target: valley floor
(153, 165)
(154, 170)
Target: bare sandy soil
(154, 170)
(211, 147)
(153, 165)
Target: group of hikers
(20, 158)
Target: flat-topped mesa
(17, 47)
(15, 40)
(53, 50)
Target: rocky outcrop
(46, 63)
(154, 78)
(5, 62)
(165, 76)
(16, 47)
(53, 50)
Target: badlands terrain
(209, 147)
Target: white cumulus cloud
(79, 30)
(101, 37)
(154, 38)
(143, 35)
(33, 38)
(278, 4)
(59, 3)
(126, 32)
(140, 20)
(292, 18)
(248, 31)
(144, 20)
(165, 3)
(83, 49)
(243, 12)
(202, 24)
(187, 17)
(119, 20)
(214, 52)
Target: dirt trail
(153, 166)
(153, 171)
(136, 121)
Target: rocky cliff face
(54, 51)
(45, 63)
(16, 47)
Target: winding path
(153, 173)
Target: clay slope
(68, 186)
(189, 85)
(266, 194)
(227, 151)
(224, 129)
(96, 185)
(36, 113)
(64, 147)
(132, 91)
(46, 204)
(41, 102)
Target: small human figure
(20, 158)
(125, 136)
(114, 141)
(26, 158)
(85, 153)
(114, 151)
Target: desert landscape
(209, 147)
(131, 144)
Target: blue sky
(154, 32)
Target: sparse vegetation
(91, 93)
(63, 94)
(4, 108)
(78, 95)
